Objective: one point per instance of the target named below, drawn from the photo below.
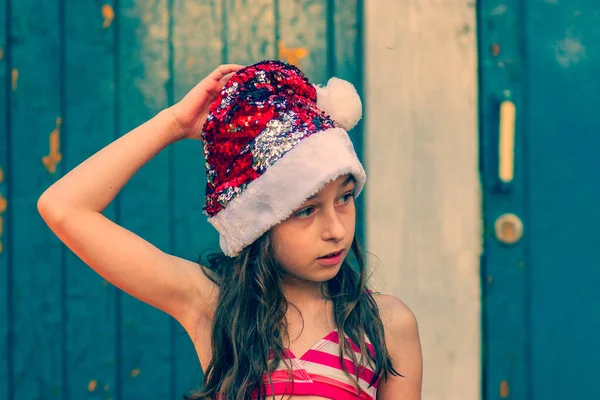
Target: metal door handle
(506, 145)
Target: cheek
(348, 219)
(290, 247)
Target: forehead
(338, 183)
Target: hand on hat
(191, 111)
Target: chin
(328, 274)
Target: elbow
(50, 210)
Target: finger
(226, 78)
(224, 70)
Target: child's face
(312, 243)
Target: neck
(300, 291)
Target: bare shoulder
(396, 316)
(404, 348)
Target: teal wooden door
(75, 75)
(542, 298)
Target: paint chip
(108, 13)
(92, 385)
(189, 63)
(135, 372)
(54, 156)
(292, 55)
(1, 175)
(504, 389)
(569, 51)
(1, 53)
(495, 49)
(15, 78)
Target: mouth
(333, 255)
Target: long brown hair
(249, 323)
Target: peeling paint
(495, 49)
(1, 175)
(54, 156)
(500, 10)
(504, 390)
(15, 78)
(189, 63)
(92, 385)
(154, 73)
(1, 53)
(3, 206)
(292, 55)
(108, 13)
(569, 51)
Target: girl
(282, 311)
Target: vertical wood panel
(345, 48)
(560, 126)
(505, 315)
(89, 123)
(249, 30)
(143, 76)
(303, 36)
(197, 50)
(35, 113)
(423, 200)
(5, 275)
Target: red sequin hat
(271, 140)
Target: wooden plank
(89, 125)
(424, 200)
(302, 37)
(37, 254)
(191, 233)
(143, 58)
(5, 274)
(249, 31)
(562, 43)
(345, 62)
(505, 316)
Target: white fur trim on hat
(284, 186)
(340, 100)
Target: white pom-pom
(341, 102)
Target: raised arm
(73, 206)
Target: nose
(333, 229)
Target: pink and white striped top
(318, 372)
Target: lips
(334, 254)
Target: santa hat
(271, 140)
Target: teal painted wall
(541, 298)
(75, 75)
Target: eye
(346, 197)
(304, 213)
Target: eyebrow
(349, 179)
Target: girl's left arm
(404, 347)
